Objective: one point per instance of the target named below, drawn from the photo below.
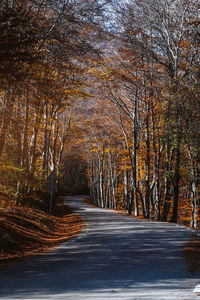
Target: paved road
(116, 257)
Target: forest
(105, 95)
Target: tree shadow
(116, 252)
(191, 253)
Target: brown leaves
(26, 231)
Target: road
(116, 257)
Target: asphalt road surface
(116, 257)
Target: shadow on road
(191, 252)
(116, 252)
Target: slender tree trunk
(45, 137)
(130, 198)
(194, 205)
(113, 179)
(147, 194)
(176, 182)
(126, 187)
(101, 181)
(7, 113)
(107, 197)
(24, 160)
(166, 205)
(134, 160)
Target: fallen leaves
(27, 231)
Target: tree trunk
(7, 113)
(147, 193)
(176, 182)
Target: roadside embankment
(27, 231)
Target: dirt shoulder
(27, 231)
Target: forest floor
(28, 231)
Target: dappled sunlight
(115, 257)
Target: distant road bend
(116, 257)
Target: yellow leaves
(70, 91)
(77, 92)
(124, 168)
(100, 72)
(124, 152)
(96, 150)
(2, 93)
(10, 168)
(7, 165)
(107, 151)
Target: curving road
(116, 257)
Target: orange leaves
(185, 44)
(29, 231)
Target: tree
(164, 32)
(43, 47)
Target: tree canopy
(105, 95)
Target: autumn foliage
(105, 96)
(142, 131)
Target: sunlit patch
(197, 289)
